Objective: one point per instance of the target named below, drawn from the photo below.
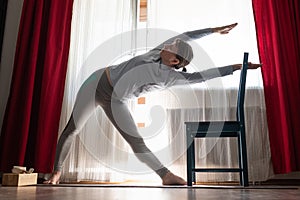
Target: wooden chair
(215, 129)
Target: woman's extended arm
(180, 78)
(250, 66)
(197, 34)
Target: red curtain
(278, 34)
(30, 127)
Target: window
(181, 16)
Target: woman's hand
(224, 29)
(253, 66)
(250, 66)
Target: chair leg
(240, 158)
(190, 173)
(190, 159)
(243, 149)
(193, 161)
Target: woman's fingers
(225, 29)
(254, 66)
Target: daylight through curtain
(94, 155)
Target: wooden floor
(106, 192)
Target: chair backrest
(242, 90)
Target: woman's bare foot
(54, 178)
(172, 179)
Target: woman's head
(177, 54)
(184, 53)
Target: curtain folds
(31, 122)
(278, 33)
(94, 155)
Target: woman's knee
(70, 129)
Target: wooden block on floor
(10, 179)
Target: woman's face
(168, 54)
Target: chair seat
(214, 128)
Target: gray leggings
(95, 91)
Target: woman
(112, 86)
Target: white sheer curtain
(93, 23)
(95, 154)
(215, 99)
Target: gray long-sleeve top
(145, 72)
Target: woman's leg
(120, 116)
(83, 108)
